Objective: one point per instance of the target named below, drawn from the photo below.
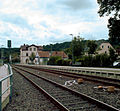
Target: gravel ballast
(27, 98)
(87, 88)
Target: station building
(41, 57)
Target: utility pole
(72, 50)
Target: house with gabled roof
(26, 50)
(104, 48)
(42, 57)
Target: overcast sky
(43, 22)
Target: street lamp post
(72, 50)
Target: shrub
(100, 60)
(53, 60)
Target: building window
(30, 49)
(105, 52)
(34, 49)
(108, 47)
(102, 46)
(26, 54)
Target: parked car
(116, 64)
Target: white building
(41, 56)
(26, 50)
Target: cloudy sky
(43, 22)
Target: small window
(34, 49)
(26, 54)
(108, 47)
(105, 52)
(102, 46)
(30, 49)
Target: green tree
(15, 58)
(114, 32)
(53, 60)
(32, 57)
(77, 47)
(92, 46)
(113, 56)
(68, 51)
(111, 8)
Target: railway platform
(5, 86)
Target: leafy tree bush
(32, 57)
(100, 60)
(57, 60)
(111, 8)
(104, 60)
(92, 46)
(87, 61)
(53, 60)
(77, 46)
(113, 56)
(67, 62)
(60, 62)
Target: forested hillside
(65, 45)
(57, 46)
(15, 52)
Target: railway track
(26, 97)
(98, 79)
(69, 99)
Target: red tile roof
(54, 53)
(59, 53)
(44, 54)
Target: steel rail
(104, 80)
(57, 103)
(107, 81)
(100, 104)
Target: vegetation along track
(71, 99)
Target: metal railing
(102, 73)
(9, 87)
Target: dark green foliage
(87, 61)
(77, 46)
(67, 62)
(111, 8)
(101, 60)
(15, 52)
(66, 46)
(56, 60)
(53, 60)
(32, 57)
(113, 56)
(114, 32)
(60, 62)
(104, 60)
(57, 46)
(68, 51)
(92, 46)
